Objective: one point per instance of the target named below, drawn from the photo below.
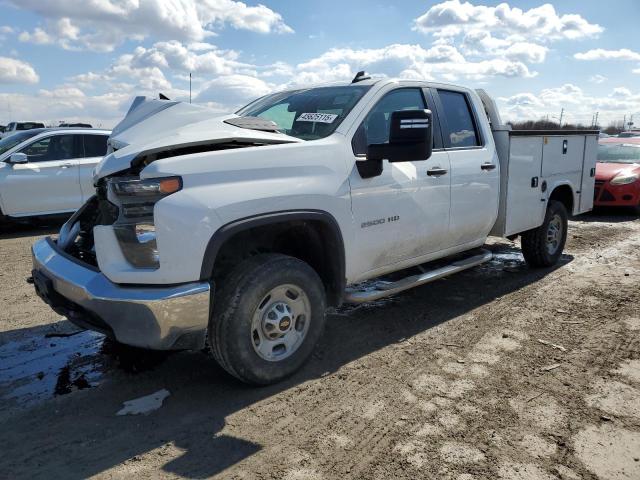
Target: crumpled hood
(606, 171)
(157, 125)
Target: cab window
(375, 127)
(461, 129)
(55, 147)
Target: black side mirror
(410, 138)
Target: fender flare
(575, 193)
(230, 229)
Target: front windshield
(8, 143)
(307, 114)
(619, 153)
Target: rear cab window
(460, 129)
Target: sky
(85, 60)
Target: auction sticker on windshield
(317, 117)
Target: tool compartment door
(524, 205)
(588, 184)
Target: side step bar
(384, 289)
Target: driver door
(48, 182)
(403, 213)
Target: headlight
(135, 230)
(624, 179)
(147, 188)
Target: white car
(14, 127)
(235, 232)
(48, 171)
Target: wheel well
(313, 241)
(564, 195)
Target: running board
(384, 289)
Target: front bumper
(155, 317)
(606, 194)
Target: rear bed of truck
(533, 163)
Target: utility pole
(595, 123)
(561, 115)
(624, 122)
(189, 87)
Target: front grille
(606, 196)
(599, 183)
(97, 211)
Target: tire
(267, 318)
(543, 246)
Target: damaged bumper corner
(155, 317)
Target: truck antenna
(360, 76)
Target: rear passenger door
(95, 147)
(475, 175)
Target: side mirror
(410, 138)
(18, 157)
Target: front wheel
(267, 318)
(543, 246)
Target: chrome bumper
(164, 318)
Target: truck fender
(337, 258)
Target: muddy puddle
(38, 367)
(35, 368)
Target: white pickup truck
(236, 232)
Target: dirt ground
(498, 372)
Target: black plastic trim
(227, 231)
(69, 257)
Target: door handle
(437, 172)
(488, 166)
(67, 165)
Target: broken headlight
(135, 229)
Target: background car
(78, 125)
(14, 127)
(48, 170)
(618, 173)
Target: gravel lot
(498, 372)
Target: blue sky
(86, 59)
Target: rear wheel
(267, 317)
(543, 246)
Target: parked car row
(14, 127)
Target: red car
(618, 173)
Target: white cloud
(232, 90)
(597, 78)
(17, 71)
(175, 56)
(543, 23)
(579, 106)
(104, 24)
(67, 104)
(403, 60)
(601, 54)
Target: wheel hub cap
(554, 234)
(280, 323)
